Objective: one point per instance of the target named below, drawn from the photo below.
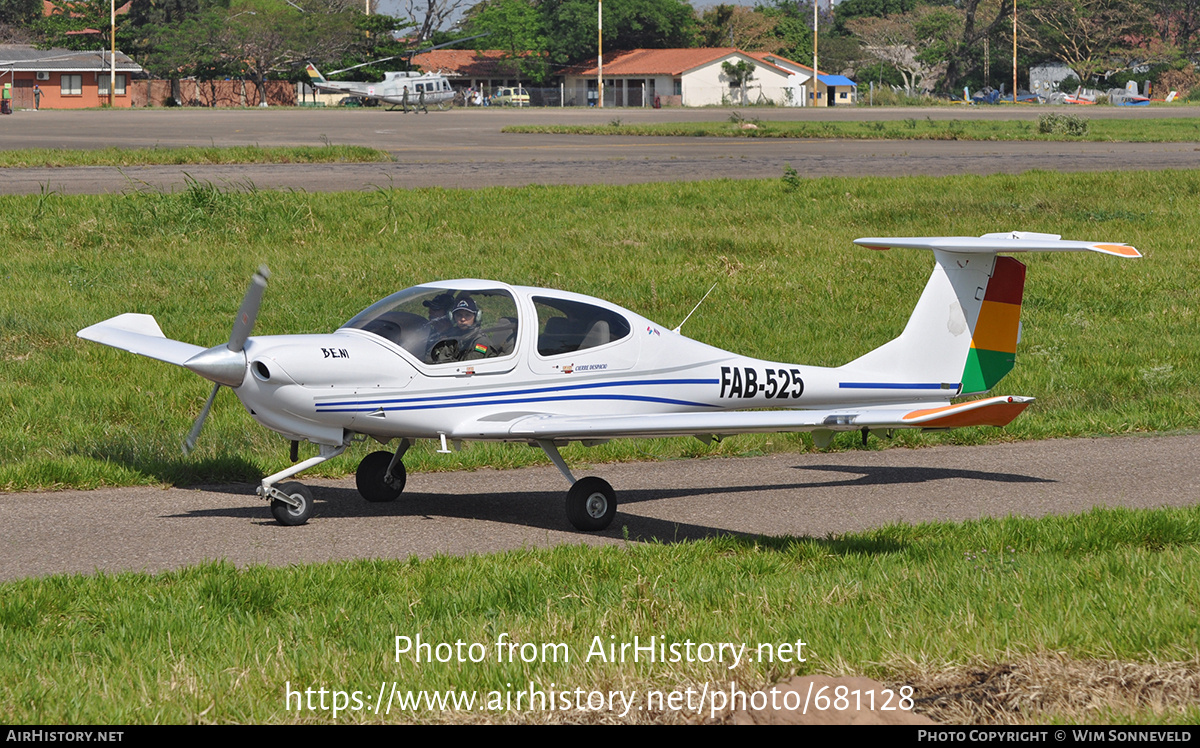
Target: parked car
(514, 96)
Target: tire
(286, 514)
(369, 478)
(591, 504)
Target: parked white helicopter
(482, 360)
(406, 89)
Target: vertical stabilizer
(962, 335)
(938, 339)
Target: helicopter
(405, 89)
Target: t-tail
(962, 336)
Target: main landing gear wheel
(591, 504)
(286, 514)
(370, 482)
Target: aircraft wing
(140, 334)
(992, 411)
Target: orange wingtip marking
(996, 414)
(1123, 250)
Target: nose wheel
(298, 509)
(381, 477)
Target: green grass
(246, 154)
(218, 644)
(1108, 345)
(1106, 130)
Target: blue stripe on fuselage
(441, 401)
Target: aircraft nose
(219, 364)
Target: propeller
(226, 364)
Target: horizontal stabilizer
(1011, 241)
(140, 334)
(992, 411)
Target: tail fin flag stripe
(314, 73)
(994, 339)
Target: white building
(694, 77)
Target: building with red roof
(481, 69)
(64, 78)
(692, 77)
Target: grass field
(913, 128)
(1108, 348)
(907, 605)
(52, 157)
(1107, 344)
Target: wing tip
(1119, 250)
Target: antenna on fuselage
(698, 303)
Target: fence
(553, 96)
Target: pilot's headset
(467, 303)
(443, 303)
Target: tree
(253, 41)
(851, 9)
(275, 38)
(1085, 34)
(69, 24)
(430, 16)
(913, 43)
(373, 49)
(19, 12)
(738, 26)
(793, 29)
(1177, 22)
(570, 26)
(739, 74)
(516, 27)
(981, 19)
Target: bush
(1062, 124)
(1185, 81)
(888, 97)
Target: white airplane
(406, 89)
(482, 360)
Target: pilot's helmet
(466, 303)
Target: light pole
(815, 68)
(112, 55)
(600, 53)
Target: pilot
(470, 341)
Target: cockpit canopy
(419, 320)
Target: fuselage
(432, 88)
(547, 352)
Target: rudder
(994, 338)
